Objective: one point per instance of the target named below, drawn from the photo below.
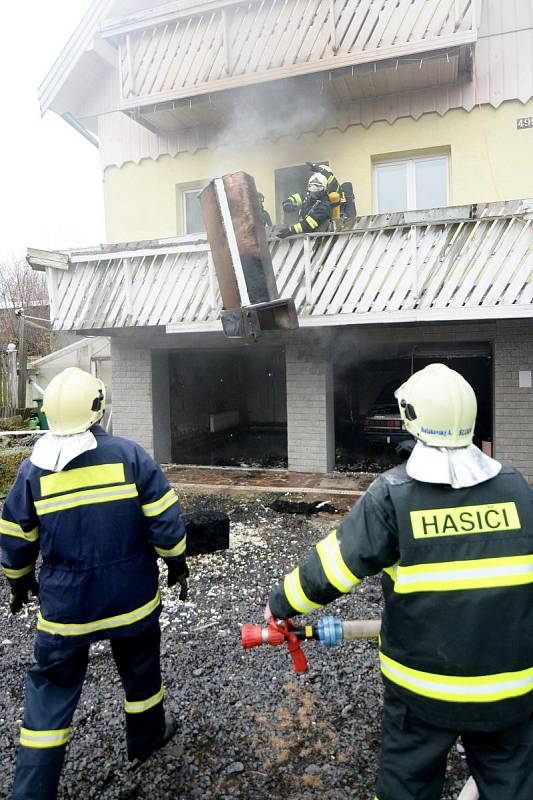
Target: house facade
(425, 106)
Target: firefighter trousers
(413, 757)
(53, 688)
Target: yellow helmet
(438, 406)
(73, 402)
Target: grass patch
(10, 460)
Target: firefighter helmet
(317, 184)
(73, 402)
(438, 406)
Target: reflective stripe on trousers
(53, 688)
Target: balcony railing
(172, 52)
(466, 262)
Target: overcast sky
(51, 185)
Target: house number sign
(524, 122)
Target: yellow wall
(490, 160)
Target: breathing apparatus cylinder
(335, 205)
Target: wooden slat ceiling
(321, 90)
(431, 262)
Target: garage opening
(368, 428)
(229, 408)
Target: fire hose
(329, 631)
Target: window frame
(411, 178)
(180, 209)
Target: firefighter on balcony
(314, 209)
(452, 531)
(99, 511)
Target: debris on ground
(297, 504)
(250, 728)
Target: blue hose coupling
(330, 631)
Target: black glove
(283, 233)
(178, 572)
(20, 587)
(289, 205)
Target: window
(290, 180)
(193, 222)
(411, 183)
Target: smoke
(289, 107)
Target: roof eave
(81, 39)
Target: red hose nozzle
(255, 635)
(275, 633)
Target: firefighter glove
(283, 233)
(20, 587)
(178, 572)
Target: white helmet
(438, 406)
(73, 402)
(317, 183)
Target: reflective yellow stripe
(12, 529)
(391, 572)
(296, 198)
(309, 631)
(482, 573)
(296, 595)
(86, 498)
(333, 564)
(81, 478)
(298, 227)
(17, 573)
(477, 689)
(172, 552)
(464, 520)
(138, 706)
(79, 629)
(311, 221)
(158, 506)
(40, 739)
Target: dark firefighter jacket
(100, 525)
(312, 214)
(456, 640)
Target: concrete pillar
(513, 404)
(161, 407)
(132, 393)
(310, 416)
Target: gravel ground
(250, 728)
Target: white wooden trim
(307, 271)
(194, 327)
(128, 286)
(112, 255)
(293, 70)
(425, 315)
(161, 15)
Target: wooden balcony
(464, 262)
(346, 49)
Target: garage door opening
(368, 427)
(229, 408)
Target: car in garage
(383, 424)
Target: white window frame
(185, 191)
(411, 177)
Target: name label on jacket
(464, 519)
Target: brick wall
(513, 406)
(310, 420)
(132, 393)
